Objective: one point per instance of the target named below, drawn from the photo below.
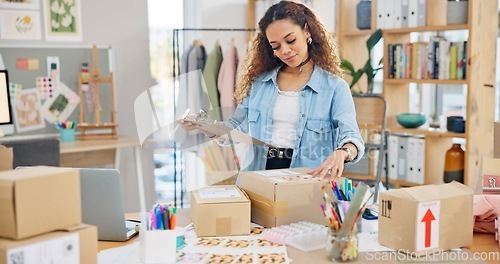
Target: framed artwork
(20, 4)
(20, 24)
(28, 111)
(59, 107)
(63, 20)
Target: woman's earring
(309, 40)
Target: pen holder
(342, 247)
(67, 134)
(158, 246)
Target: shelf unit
(480, 79)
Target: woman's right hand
(185, 124)
(189, 126)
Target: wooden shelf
(365, 32)
(366, 177)
(430, 132)
(429, 81)
(426, 29)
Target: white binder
(389, 14)
(392, 148)
(397, 14)
(411, 159)
(380, 14)
(412, 13)
(420, 161)
(422, 13)
(402, 150)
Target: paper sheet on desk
(128, 254)
(368, 238)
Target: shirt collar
(314, 82)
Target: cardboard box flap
(269, 206)
(220, 194)
(424, 193)
(453, 189)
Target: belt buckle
(271, 152)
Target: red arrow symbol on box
(428, 218)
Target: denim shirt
(327, 119)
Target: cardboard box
(38, 200)
(496, 140)
(221, 210)
(281, 197)
(6, 158)
(77, 244)
(426, 219)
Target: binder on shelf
(411, 159)
(420, 161)
(380, 15)
(412, 13)
(402, 150)
(404, 13)
(392, 148)
(397, 20)
(389, 14)
(422, 13)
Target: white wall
(124, 26)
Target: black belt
(279, 158)
(280, 153)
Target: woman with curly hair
(291, 95)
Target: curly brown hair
(260, 57)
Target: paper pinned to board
(2, 65)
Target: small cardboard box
(6, 158)
(221, 210)
(76, 244)
(38, 200)
(496, 140)
(285, 196)
(425, 219)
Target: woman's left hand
(333, 165)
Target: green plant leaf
(373, 40)
(347, 66)
(356, 76)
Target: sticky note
(14, 91)
(45, 89)
(33, 64)
(22, 64)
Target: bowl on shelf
(411, 120)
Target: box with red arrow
(426, 219)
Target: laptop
(102, 204)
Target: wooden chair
(371, 118)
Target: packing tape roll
(267, 205)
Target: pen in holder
(66, 131)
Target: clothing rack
(176, 72)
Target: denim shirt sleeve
(238, 121)
(344, 114)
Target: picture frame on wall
(63, 20)
(20, 4)
(20, 24)
(60, 106)
(28, 111)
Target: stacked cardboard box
(40, 218)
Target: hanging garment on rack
(192, 94)
(211, 74)
(227, 81)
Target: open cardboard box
(423, 219)
(284, 196)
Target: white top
(285, 119)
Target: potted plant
(367, 68)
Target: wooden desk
(73, 153)
(481, 243)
